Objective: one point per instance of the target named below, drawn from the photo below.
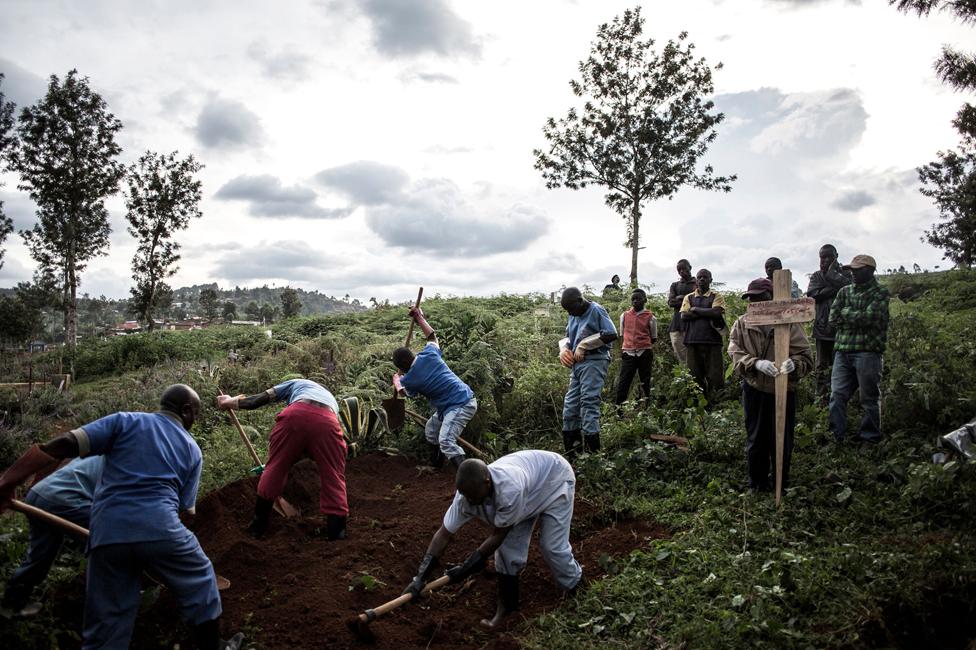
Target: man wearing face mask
(823, 288)
(753, 355)
(860, 316)
(512, 495)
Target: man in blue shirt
(67, 493)
(309, 424)
(586, 352)
(453, 400)
(151, 473)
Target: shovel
(359, 625)
(281, 506)
(394, 406)
(75, 529)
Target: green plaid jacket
(860, 314)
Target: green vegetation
(871, 547)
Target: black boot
(591, 442)
(335, 527)
(207, 637)
(262, 512)
(457, 460)
(508, 592)
(436, 457)
(572, 441)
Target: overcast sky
(370, 146)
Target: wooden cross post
(781, 312)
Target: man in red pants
(308, 424)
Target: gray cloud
(21, 86)
(853, 201)
(228, 124)
(442, 149)
(433, 216)
(429, 77)
(365, 182)
(286, 64)
(818, 123)
(419, 27)
(20, 209)
(267, 197)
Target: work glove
(767, 367)
(226, 402)
(427, 566)
(787, 367)
(475, 563)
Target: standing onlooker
(823, 287)
(586, 352)
(612, 291)
(753, 354)
(860, 315)
(676, 296)
(774, 264)
(638, 327)
(703, 312)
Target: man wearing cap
(753, 359)
(860, 316)
(823, 288)
(308, 424)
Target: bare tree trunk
(635, 216)
(71, 308)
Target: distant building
(124, 329)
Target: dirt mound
(294, 589)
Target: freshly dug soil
(294, 589)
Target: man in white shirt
(511, 494)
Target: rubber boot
(335, 527)
(207, 637)
(508, 592)
(591, 442)
(262, 512)
(436, 457)
(572, 441)
(457, 460)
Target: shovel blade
(395, 412)
(285, 509)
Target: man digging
(453, 400)
(511, 494)
(308, 424)
(152, 471)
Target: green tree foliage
(163, 194)
(6, 147)
(18, 320)
(66, 159)
(269, 313)
(209, 303)
(253, 310)
(950, 181)
(645, 123)
(230, 310)
(290, 304)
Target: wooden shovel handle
(240, 430)
(420, 295)
(371, 614)
(46, 516)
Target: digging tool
(75, 529)
(419, 419)
(359, 625)
(394, 406)
(281, 506)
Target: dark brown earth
(294, 589)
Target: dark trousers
(629, 365)
(705, 364)
(760, 412)
(825, 360)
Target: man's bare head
(183, 401)
(473, 481)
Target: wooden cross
(781, 312)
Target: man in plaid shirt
(860, 316)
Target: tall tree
(6, 150)
(230, 310)
(645, 123)
(162, 196)
(290, 304)
(950, 181)
(67, 163)
(209, 303)
(252, 310)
